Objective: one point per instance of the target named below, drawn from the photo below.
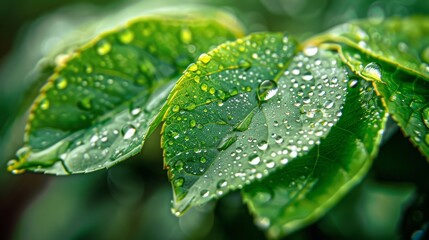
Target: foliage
(293, 124)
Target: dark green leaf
(394, 54)
(309, 186)
(245, 109)
(102, 101)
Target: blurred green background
(132, 200)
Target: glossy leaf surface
(394, 54)
(101, 103)
(244, 110)
(309, 186)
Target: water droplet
(245, 123)
(85, 104)
(175, 108)
(61, 83)
(204, 193)
(179, 182)
(310, 51)
(262, 222)
(266, 90)
(254, 160)
(193, 67)
(128, 132)
(328, 104)
(227, 141)
(190, 106)
(204, 87)
(425, 116)
(427, 138)
(192, 123)
(186, 36)
(353, 83)
(104, 47)
(204, 58)
(203, 160)
(270, 164)
(135, 111)
(263, 145)
(307, 76)
(88, 69)
(44, 104)
(126, 36)
(278, 139)
(222, 184)
(372, 70)
(179, 165)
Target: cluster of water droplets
(257, 130)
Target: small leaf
(247, 112)
(104, 99)
(309, 186)
(394, 54)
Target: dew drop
(204, 193)
(61, 83)
(179, 165)
(128, 132)
(262, 222)
(266, 90)
(222, 183)
(263, 145)
(204, 58)
(44, 104)
(192, 123)
(254, 160)
(179, 182)
(372, 70)
(310, 51)
(104, 47)
(135, 111)
(193, 67)
(425, 116)
(328, 104)
(270, 164)
(203, 160)
(126, 36)
(307, 76)
(353, 83)
(175, 108)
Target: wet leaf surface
(394, 54)
(307, 187)
(101, 103)
(246, 109)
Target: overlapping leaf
(394, 54)
(244, 110)
(101, 103)
(307, 187)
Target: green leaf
(104, 99)
(394, 54)
(309, 186)
(244, 110)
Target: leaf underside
(104, 99)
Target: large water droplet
(204, 58)
(372, 70)
(266, 90)
(179, 182)
(310, 51)
(44, 104)
(104, 47)
(128, 131)
(263, 145)
(126, 37)
(254, 160)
